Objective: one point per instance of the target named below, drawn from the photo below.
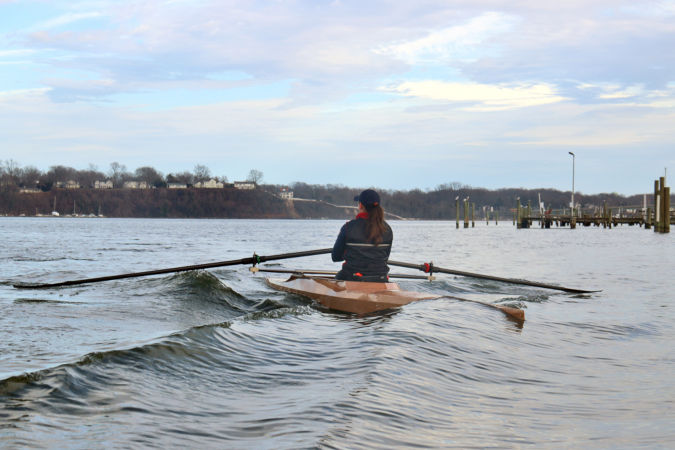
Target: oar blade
(514, 313)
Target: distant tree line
(12, 174)
(440, 203)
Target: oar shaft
(333, 273)
(250, 260)
(425, 268)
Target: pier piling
(457, 212)
(661, 206)
(466, 213)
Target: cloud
(17, 52)
(66, 19)
(613, 91)
(22, 94)
(64, 90)
(457, 42)
(629, 92)
(331, 50)
(482, 97)
(663, 8)
(635, 94)
(157, 42)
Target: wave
(197, 347)
(483, 290)
(242, 381)
(198, 289)
(42, 300)
(47, 259)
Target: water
(217, 359)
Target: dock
(658, 215)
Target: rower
(364, 243)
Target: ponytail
(375, 224)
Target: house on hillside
(135, 185)
(70, 184)
(285, 193)
(28, 190)
(211, 184)
(244, 185)
(176, 185)
(108, 184)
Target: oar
(513, 313)
(333, 273)
(255, 259)
(430, 268)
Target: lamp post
(573, 158)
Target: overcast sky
(394, 94)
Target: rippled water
(217, 359)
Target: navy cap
(369, 198)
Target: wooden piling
(457, 212)
(657, 209)
(523, 216)
(661, 206)
(541, 221)
(466, 214)
(473, 217)
(573, 218)
(662, 203)
(516, 215)
(666, 209)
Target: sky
(392, 94)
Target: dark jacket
(360, 256)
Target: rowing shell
(357, 297)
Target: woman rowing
(364, 243)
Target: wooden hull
(349, 296)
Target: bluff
(147, 203)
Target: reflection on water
(217, 359)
